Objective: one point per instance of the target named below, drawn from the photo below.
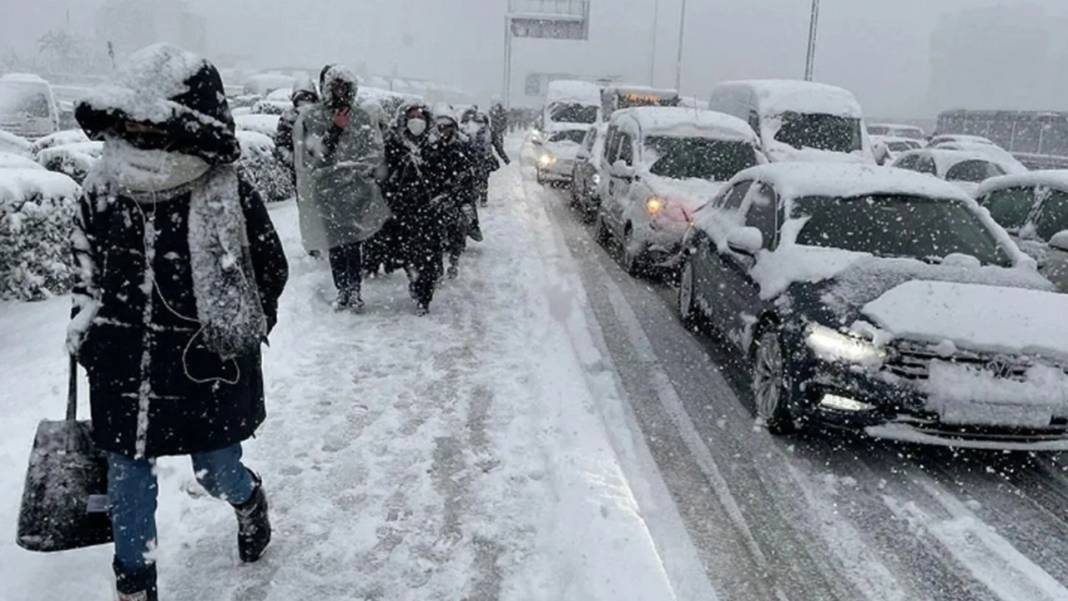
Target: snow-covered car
(947, 335)
(73, 160)
(15, 144)
(264, 124)
(999, 155)
(36, 213)
(571, 104)
(798, 120)
(1033, 207)
(586, 175)
(27, 106)
(556, 154)
(965, 169)
(10, 160)
(887, 148)
(60, 138)
(662, 165)
(263, 84)
(897, 130)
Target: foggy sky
(877, 48)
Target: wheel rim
(686, 291)
(768, 376)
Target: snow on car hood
(778, 152)
(975, 316)
(691, 193)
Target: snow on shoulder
(975, 317)
(688, 122)
(1056, 179)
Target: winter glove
(342, 119)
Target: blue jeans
(132, 491)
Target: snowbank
(36, 213)
(975, 317)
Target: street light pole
(508, 61)
(813, 28)
(682, 37)
(652, 52)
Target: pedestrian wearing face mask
(338, 151)
(476, 127)
(454, 173)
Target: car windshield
(19, 99)
(928, 229)
(973, 171)
(901, 146)
(1053, 218)
(573, 113)
(568, 135)
(1011, 206)
(704, 158)
(819, 131)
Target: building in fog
(1000, 58)
(133, 24)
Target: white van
(571, 104)
(27, 106)
(798, 120)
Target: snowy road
(550, 432)
(824, 515)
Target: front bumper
(896, 408)
(560, 171)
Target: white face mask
(417, 126)
(140, 170)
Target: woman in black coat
(180, 274)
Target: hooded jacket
(156, 388)
(340, 201)
(304, 94)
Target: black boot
(136, 586)
(253, 524)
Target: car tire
(771, 390)
(601, 233)
(689, 310)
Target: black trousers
(421, 244)
(346, 263)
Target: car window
(820, 131)
(703, 158)
(626, 149)
(1010, 207)
(762, 213)
(926, 164)
(973, 171)
(908, 162)
(1053, 215)
(568, 135)
(589, 140)
(732, 201)
(611, 145)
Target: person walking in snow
(304, 94)
(455, 177)
(476, 126)
(338, 152)
(179, 274)
(498, 129)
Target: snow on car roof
(782, 95)
(960, 138)
(1050, 178)
(896, 126)
(684, 121)
(21, 184)
(568, 90)
(23, 78)
(847, 180)
(641, 89)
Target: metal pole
(652, 53)
(682, 38)
(813, 28)
(508, 61)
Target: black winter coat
(141, 351)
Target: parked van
(618, 97)
(571, 104)
(27, 106)
(798, 120)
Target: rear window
(573, 113)
(1053, 218)
(703, 158)
(1010, 207)
(973, 171)
(23, 99)
(822, 132)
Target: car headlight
(832, 345)
(596, 179)
(546, 160)
(654, 206)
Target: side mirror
(1060, 241)
(745, 240)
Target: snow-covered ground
(478, 453)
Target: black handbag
(64, 503)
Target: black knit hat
(170, 89)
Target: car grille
(913, 362)
(1058, 430)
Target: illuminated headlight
(654, 206)
(832, 345)
(546, 160)
(843, 403)
(596, 179)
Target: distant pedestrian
(339, 152)
(180, 271)
(304, 94)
